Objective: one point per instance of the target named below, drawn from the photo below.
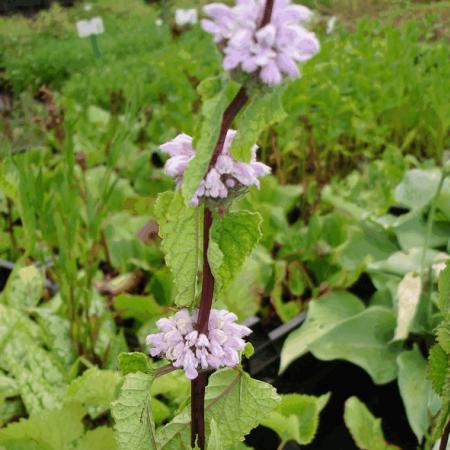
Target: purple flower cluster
(274, 49)
(226, 175)
(186, 348)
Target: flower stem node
(227, 179)
(186, 348)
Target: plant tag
(97, 25)
(186, 17)
(87, 28)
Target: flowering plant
(262, 41)
(255, 38)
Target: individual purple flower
(181, 152)
(180, 343)
(227, 175)
(273, 50)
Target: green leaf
(25, 287)
(178, 228)
(173, 386)
(418, 187)
(443, 335)
(285, 310)
(94, 387)
(364, 427)
(98, 116)
(297, 283)
(297, 417)
(411, 231)
(262, 111)
(249, 350)
(244, 294)
(9, 179)
(400, 263)
(364, 340)
(55, 331)
(233, 238)
(367, 241)
(134, 424)
(408, 296)
(236, 402)
(10, 409)
(53, 430)
(437, 368)
(214, 442)
(415, 389)
(8, 387)
(134, 362)
(40, 380)
(101, 438)
(444, 290)
(139, 307)
(444, 414)
(160, 411)
(212, 112)
(323, 315)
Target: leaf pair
(232, 239)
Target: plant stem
(206, 299)
(430, 227)
(267, 13)
(198, 385)
(426, 282)
(208, 278)
(444, 438)
(229, 115)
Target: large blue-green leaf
(364, 427)
(415, 389)
(323, 315)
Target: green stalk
(430, 226)
(423, 265)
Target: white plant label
(185, 17)
(87, 28)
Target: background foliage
(356, 222)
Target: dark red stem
(444, 438)
(267, 13)
(229, 115)
(198, 385)
(206, 299)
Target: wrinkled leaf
(134, 424)
(236, 402)
(233, 238)
(178, 228)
